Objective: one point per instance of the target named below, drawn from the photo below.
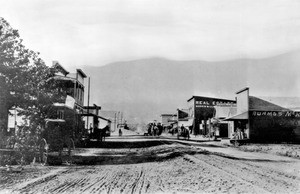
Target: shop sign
(210, 104)
(275, 113)
(204, 106)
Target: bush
(22, 148)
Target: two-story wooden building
(68, 109)
(71, 84)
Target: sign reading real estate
(210, 103)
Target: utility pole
(115, 119)
(15, 119)
(88, 109)
(118, 120)
(121, 117)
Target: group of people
(155, 129)
(240, 131)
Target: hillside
(145, 88)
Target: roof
(242, 116)
(168, 115)
(182, 113)
(81, 73)
(92, 107)
(209, 98)
(292, 103)
(56, 65)
(268, 104)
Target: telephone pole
(115, 119)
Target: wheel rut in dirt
(130, 153)
(260, 176)
(166, 168)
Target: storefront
(221, 128)
(202, 109)
(167, 119)
(264, 120)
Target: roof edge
(81, 72)
(210, 98)
(244, 89)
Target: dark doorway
(223, 130)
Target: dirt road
(165, 168)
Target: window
(60, 114)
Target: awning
(93, 115)
(59, 77)
(62, 105)
(215, 120)
(55, 120)
(186, 123)
(242, 116)
(225, 111)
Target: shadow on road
(126, 144)
(114, 152)
(144, 156)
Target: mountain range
(146, 88)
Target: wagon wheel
(44, 147)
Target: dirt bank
(290, 150)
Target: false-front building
(202, 110)
(267, 119)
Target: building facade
(201, 110)
(263, 120)
(167, 119)
(71, 84)
(221, 128)
(68, 109)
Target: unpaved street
(165, 168)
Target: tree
(23, 80)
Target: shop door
(223, 130)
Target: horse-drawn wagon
(60, 134)
(183, 132)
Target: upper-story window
(60, 114)
(79, 76)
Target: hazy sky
(95, 32)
